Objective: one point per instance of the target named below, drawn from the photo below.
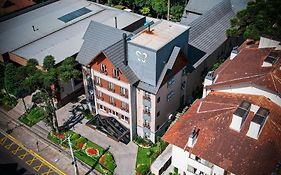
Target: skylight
(75, 14)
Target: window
(102, 108)
(158, 99)
(110, 86)
(170, 95)
(171, 82)
(146, 110)
(124, 106)
(158, 113)
(111, 100)
(98, 80)
(103, 68)
(123, 91)
(75, 14)
(125, 118)
(100, 95)
(116, 73)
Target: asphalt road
(9, 165)
(24, 161)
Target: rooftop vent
(257, 123)
(270, 60)
(240, 115)
(234, 52)
(192, 137)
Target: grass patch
(7, 102)
(146, 155)
(87, 151)
(33, 116)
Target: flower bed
(86, 151)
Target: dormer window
(116, 73)
(103, 68)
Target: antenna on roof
(34, 29)
(115, 19)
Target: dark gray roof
(169, 65)
(207, 32)
(201, 6)
(97, 38)
(115, 54)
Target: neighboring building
(208, 43)
(28, 35)
(136, 74)
(235, 127)
(251, 69)
(9, 6)
(238, 134)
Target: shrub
(148, 153)
(74, 136)
(83, 140)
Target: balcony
(146, 117)
(146, 125)
(111, 89)
(101, 98)
(124, 95)
(117, 77)
(146, 111)
(98, 84)
(146, 97)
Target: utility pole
(168, 10)
(73, 158)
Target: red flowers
(80, 145)
(61, 136)
(91, 151)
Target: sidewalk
(124, 155)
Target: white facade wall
(181, 159)
(252, 91)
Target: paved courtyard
(125, 155)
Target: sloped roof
(218, 144)
(97, 38)
(207, 32)
(176, 56)
(246, 68)
(201, 6)
(115, 54)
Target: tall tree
(260, 17)
(67, 71)
(160, 7)
(49, 62)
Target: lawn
(33, 116)
(147, 154)
(87, 151)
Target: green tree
(49, 62)
(145, 11)
(10, 78)
(261, 17)
(176, 12)
(67, 71)
(160, 7)
(2, 71)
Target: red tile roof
(217, 143)
(16, 5)
(246, 68)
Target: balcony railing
(111, 89)
(146, 125)
(112, 103)
(104, 72)
(124, 95)
(146, 97)
(145, 111)
(101, 98)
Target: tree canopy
(261, 17)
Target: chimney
(240, 115)
(125, 49)
(234, 52)
(192, 137)
(257, 123)
(115, 19)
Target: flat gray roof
(161, 33)
(55, 37)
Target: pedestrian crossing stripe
(3, 140)
(23, 155)
(29, 162)
(48, 172)
(9, 146)
(38, 167)
(16, 150)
